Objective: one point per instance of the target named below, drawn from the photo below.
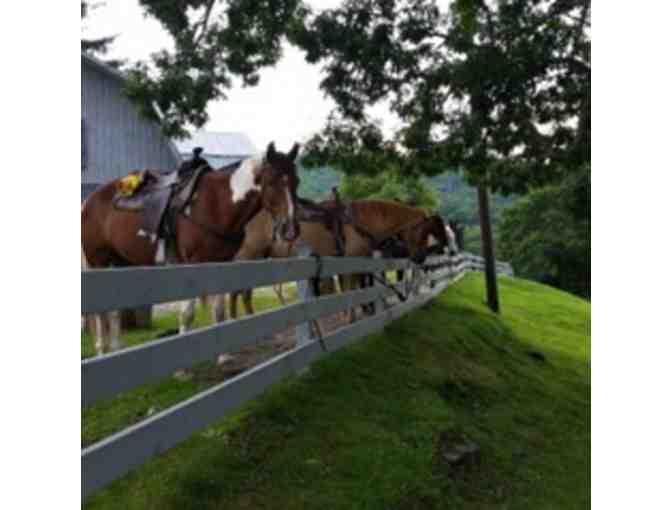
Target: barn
(219, 148)
(115, 138)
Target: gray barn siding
(117, 139)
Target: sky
(286, 107)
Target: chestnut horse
(210, 231)
(372, 222)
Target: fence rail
(110, 374)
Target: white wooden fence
(112, 289)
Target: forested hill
(458, 200)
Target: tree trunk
(488, 249)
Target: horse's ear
(270, 151)
(294, 152)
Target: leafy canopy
(498, 88)
(214, 41)
(546, 235)
(97, 47)
(391, 185)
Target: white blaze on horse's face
(290, 205)
(242, 180)
(452, 242)
(432, 241)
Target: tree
(391, 185)
(499, 89)
(215, 41)
(97, 47)
(546, 235)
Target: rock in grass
(457, 452)
(539, 356)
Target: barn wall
(117, 140)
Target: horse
(366, 225)
(210, 229)
(434, 237)
(260, 242)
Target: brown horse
(367, 224)
(222, 206)
(432, 237)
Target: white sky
(285, 107)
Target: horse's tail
(85, 263)
(88, 320)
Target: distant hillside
(316, 183)
(458, 199)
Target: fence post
(304, 292)
(379, 305)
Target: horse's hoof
(183, 375)
(223, 359)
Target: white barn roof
(219, 144)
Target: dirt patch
(264, 350)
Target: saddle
(332, 219)
(160, 196)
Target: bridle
(228, 236)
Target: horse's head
(431, 236)
(278, 183)
(452, 248)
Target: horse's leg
(106, 325)
(100, 322)
(203, 300)
(348, 283)
(247, 302)
(187, 314)
(233, 304)
(366, 281)
(219, 315)
(218, 308)
(114, 321)
(342, 284)
(278, 292)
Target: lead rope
(383, 282)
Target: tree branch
(203, 25)
(582, 23)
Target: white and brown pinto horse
(223, 205)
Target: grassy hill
(363, 428)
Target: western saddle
(161, 196)
(338, 214)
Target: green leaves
(479, 85)
(546, 235)
(215, 40)
(391, 184)
(500, 89)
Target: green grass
(360, 430)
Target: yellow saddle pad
(126, 186)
